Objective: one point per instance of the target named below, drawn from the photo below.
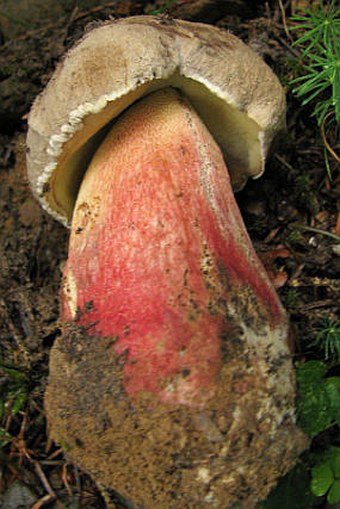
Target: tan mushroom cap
(235, 93)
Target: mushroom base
(168, 457)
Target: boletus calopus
(172, 381)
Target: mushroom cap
(235, 93)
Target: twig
(284, 162)
(284, 21)
(324, 137)
(43, 501)
(18, 443)
(337, 226)
(300, 226)
(293, 51)
(55, 454)
(315, 305)
(65, 480)
(51, 494)
(43, 479)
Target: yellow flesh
(236, 134)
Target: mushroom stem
(159, 259)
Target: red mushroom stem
(160, 259)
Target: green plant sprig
(320, 52)
(163, 8)
(328, 339)
(13, 397)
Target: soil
(176, 456)
(294, 195)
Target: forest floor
(289, 213)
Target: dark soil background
(295, 194)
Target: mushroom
(172, 382)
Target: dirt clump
(160, 456)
